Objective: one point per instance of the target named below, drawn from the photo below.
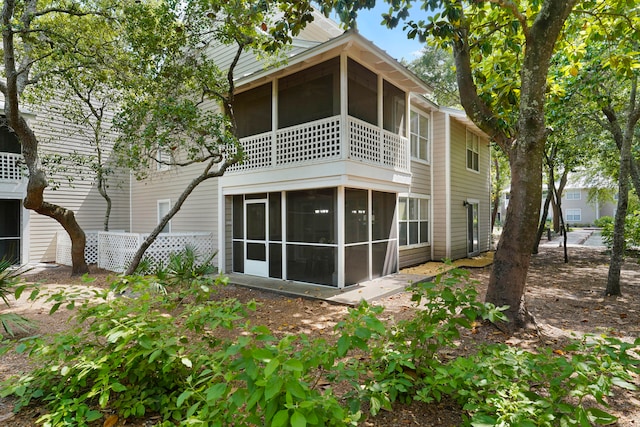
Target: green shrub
(505, 386)
(11, 323)
(202, 363)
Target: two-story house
(350, 173)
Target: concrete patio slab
(352, 295)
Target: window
(163, 159)
(572, 195)
(164, 206)
(473, 152)
(413, 225)
(573, 215)
(419, 136)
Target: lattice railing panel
(318, 140)
(10, 168)
(396, 151)
(364, 141)
(116, 250)
(63, 248)
(258, 152)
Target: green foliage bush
(11, 323)
(631, 229)
(195, 360)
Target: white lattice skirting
(116, 250)
(63, 248)
(113, 250)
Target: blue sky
(394, 42)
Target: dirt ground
(566, 299)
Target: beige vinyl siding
(467, 184)
(199, 212)
(81, 196)
(438, 198)
(420, 185)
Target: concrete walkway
(352, 295)
(575, 237)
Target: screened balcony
(321, 140)
(315, 116)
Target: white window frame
(162, 156)
(573, 195)
(160, 215)
(423, 134)
(419, 220)
(473, 146)
(573, 215)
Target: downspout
(447, 183)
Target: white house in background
(578, 208)
(351, 173)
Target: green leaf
(601, 417)
(281, 418)
(93, 415)
(215, 392)
(117, 387)
(271, 367)
(293, 365)
(622, 383)
(155, 355)
(481, 420)
(298, 420)
(273, 387)
(183, 396)
(343, 345)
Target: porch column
(344, 107)
(340, 207)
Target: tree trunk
(617, 250)
(175, 208)
(513, 254)
(34, 199)
(543, 217)
(15, 82)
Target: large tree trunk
(624, 140)
(513, 255)
(16, 81)
(34, 199)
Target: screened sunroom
(327, 154)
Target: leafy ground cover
(566, 299)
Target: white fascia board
(350, 39)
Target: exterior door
(473, 239)
(256, 260)
(10, 230)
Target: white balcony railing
(10, 167)
(321, 140)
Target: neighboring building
(351, 173)
(578, 208)
(27, 237)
